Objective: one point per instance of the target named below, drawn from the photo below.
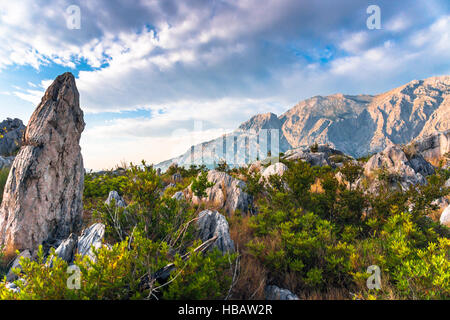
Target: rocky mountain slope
(356, 125)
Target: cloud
(218, 61)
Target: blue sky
(157, 76)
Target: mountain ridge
(357, 125)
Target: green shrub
(200, 184)
(4, 172)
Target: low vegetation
(311, 234)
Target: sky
(156, 77)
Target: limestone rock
(274, 169)
(276, 293)
(66, 250)
(11, 276)
(119, 201)
(43, 195)
(406, 171)
(323, 156)
(227, 193)
(11, 132)
(91, 237)
(445, 217)
(212, 223)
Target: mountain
(356, 125)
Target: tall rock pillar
(43, 195)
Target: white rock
(212, 223)
(91, 237)
(445, 217)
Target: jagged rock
(11, 276)
(178, 196)
(91, 237)
(404, 171)
(42, 201)
(66, 250)
(227, 193)
(119, 201)
(11, 132)
(6, 162)
(445, 217)
(212, 223)
(274, 169)
(276, 293)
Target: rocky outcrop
(432, 147)
(118, 200)
(227, 193)
(276, 293)
(320, 155)
(404, 170)
(11, 133)
(91, 237)
(212, 224)
(274, 169)
(445, 217)
(42, 201)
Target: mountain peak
(267, 120)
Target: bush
(4, 172)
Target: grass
(4, 172)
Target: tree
(352, 171)
(200, 184)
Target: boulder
(66, 250)
(11, 132)
(227, 193)
(119, 201)
(212, 223)
(11, 276)
(276, 293)
(445, 217)
(274, 169)
(91, 237)
(42, 201)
